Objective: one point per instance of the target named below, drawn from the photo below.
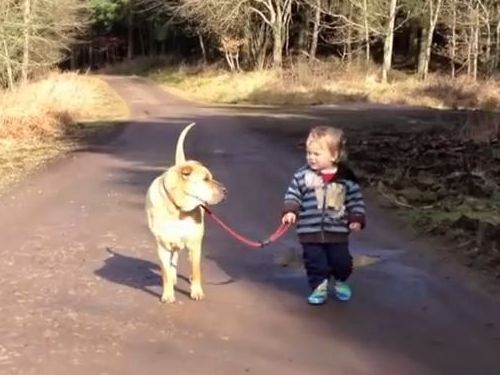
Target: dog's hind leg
(168, 260)
(195, 257)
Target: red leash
(280, 231)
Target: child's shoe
(319, 295)
(342, 291)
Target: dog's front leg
(195, 257)
(168, 260)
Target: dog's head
(191, 183)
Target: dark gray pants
(325, 260)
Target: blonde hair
(332, 138)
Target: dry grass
(327, 82)
(212, 85)
(38, 121)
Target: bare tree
(226, 18)
(257, 35)
(316, 29)
(277, 15)
(388, 41)
(366, 29)
(353, 24)
(339, 26)
(130, 29)
(10, 45)
(456, 14)
(26, 37)
(432, 16)
(47, 28)
(496, 63)
(453, 35)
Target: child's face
(319, 156)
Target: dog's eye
(186, 171)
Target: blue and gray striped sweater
(325, 210)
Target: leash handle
(280, 231)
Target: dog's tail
(179, 149)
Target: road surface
(80, 284)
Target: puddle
(294, 260)
(365, 260)
(292, 266)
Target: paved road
(80, 281)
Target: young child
(325, 201)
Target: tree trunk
(367, 32)
(282, 11)
(427, 41)
(263, 48)
(255, 50)
(278, 45)
(91, 56)
(229, 60)
(73, 57)
(278, 18)
(278, 37)
(453, 37)
(497, 44)
(470, 38)
(422, 47)
(26, 38)
(8, 67)
(496, 64)
(389, 38)
(130, 31)
(142, 41)
(475, 46)
(152, 45)
(413, 41)
(489, 62)
(286, 38)
(303, 38)
(203, 50)
(315, 33)
(349, 35)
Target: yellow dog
(176, 219)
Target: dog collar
(171, 199)
(169, 196)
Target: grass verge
(323, 82)
(48, 117)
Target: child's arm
(293, 198)
(355, 204)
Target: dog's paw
(167, 298)
(197, 292)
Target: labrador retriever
(175, 216)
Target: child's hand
(355, 226)
(289, 218)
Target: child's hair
(332, 138)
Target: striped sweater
(324, 210)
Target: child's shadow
(134, 272)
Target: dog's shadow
(134, 273)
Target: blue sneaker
(319, 295)
(342, 291)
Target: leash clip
(264, 243)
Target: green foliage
(106, 13)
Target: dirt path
(80, 285)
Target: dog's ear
(186, 171)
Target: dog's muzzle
(223, 193)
